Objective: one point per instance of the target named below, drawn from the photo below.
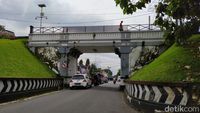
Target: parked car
(80, 80)
(119, 80)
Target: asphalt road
(102, 99)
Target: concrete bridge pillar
(125, 49)
(63, 61)
(124, 61)
(67, 65)
(62, 65)
(72, 66)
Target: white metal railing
(143, 27)
(92, 29)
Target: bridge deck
(95, 36)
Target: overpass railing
(92, 29)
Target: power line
(84, 22)
(17, 20)
(86, 10)
(62, 14)
(125, 18)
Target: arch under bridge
(95, 39)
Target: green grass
(195, 38)
(170, 66)
(16, 61)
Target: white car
(80, 80)
(120, 82)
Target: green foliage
(119, 72)
(128, 7)
(93, 69)
(195, 38)
(170, 66)
(182, 33)
(169, 38)
(99, 69)
(17, 61)
(109, 72)
(4, 36)
(178, 18)
(186, 14)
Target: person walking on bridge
(121, 26)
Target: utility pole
(41, 15)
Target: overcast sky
(18, 15)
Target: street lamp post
(41, 15)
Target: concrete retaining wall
(159, 95)
(14, 88)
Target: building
(6, 33)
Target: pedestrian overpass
(94, 39)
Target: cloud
(18, 15)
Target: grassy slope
(17, 61)
(170, 66)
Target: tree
(109, 72)
(93, 69)
(118, 72)
(87, 64)
(2, 28)
(99, 70)
(80, 63)
(178, 18)
(49, 55)
(181, 17)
